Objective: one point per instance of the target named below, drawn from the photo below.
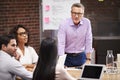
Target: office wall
(103, 14)
(26, 12)
(105, 19)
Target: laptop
(92, 72)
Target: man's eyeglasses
(22, 33)
(75, 13)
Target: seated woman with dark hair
(46, 68)
(28, 55)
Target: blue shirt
(10, 68)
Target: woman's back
(46, 68)
(46, 65)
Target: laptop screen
(92, 71)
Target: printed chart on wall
(54, 11)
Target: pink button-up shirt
(75, 39)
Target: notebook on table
(92, 72)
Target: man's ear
(3, 47)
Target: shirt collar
(72, 24)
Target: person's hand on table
(88, 58)
(29, 67)
(88, 62)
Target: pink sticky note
(46, 20)
(47, 8)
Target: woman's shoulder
(31, 50)
(29, 47)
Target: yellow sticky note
(100, 0)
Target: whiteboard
(54, 11)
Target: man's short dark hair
(78, 5)
(5, 39)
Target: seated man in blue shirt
(9, 66)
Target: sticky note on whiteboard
(46, 20)
(47, 7)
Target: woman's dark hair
(14, 32)
(45, 69)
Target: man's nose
(15, 47)
(76, 15)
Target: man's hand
(88, 62)
(17, 56)
(88, 58)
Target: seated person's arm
(19, 70)
(29, 67)
(62, 74)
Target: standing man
(9, 66)
(75, 38)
